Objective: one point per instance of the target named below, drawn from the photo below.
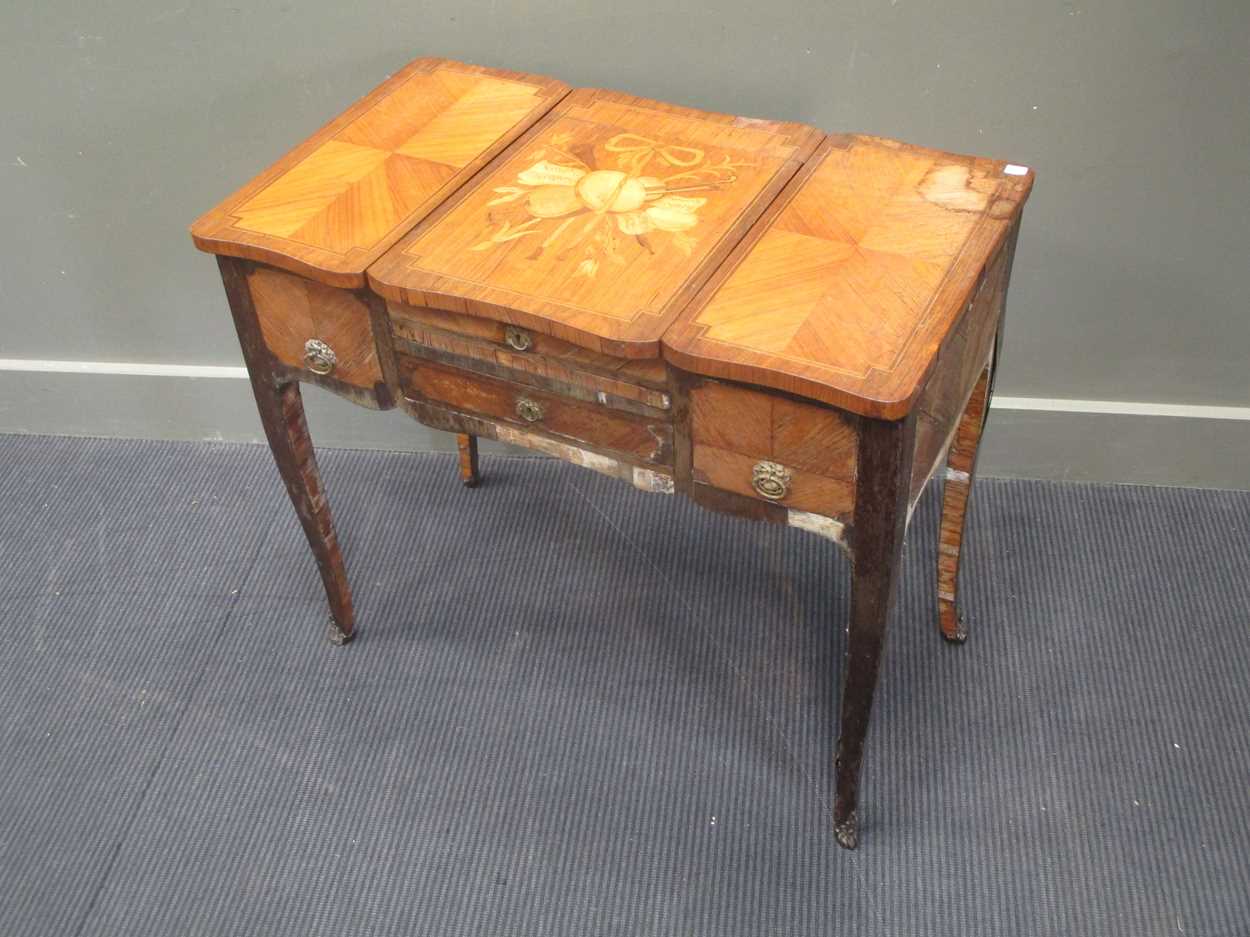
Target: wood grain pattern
(673, 298)
(649, 372)
(336, 202)
(732, 428)
(281, 411)
(960, 469)
(549, 376)
(959, 363)
(846, 289)
(880, 524)
(633, 439)
(600, 223)
(587, 374)
(291, 310)
(467, 446)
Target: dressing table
(796, 327)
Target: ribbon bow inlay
(636, 151)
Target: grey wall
(123, 120)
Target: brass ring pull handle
(531, 411)
(517, 339)
(770, 480)
(319, 357)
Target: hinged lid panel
(600, 223)
(847, 287)
(332, 205)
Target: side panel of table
(333, 337)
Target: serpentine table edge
(797, 328)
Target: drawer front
(632, 438)
(773, 448)
(315, 328)
(533, 355)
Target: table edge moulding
(791, 327)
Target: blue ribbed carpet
(576, 709)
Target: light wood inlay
(778, 325)
(598, 225)
(845, 290)
(331, 206)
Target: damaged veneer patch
(641, 478)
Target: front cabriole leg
(880, 520)
(282, 416)
(961, 466)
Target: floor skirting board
(1106, 441)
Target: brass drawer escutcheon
(517, 339)
(770, 480)
(531, 411)
(319, 357)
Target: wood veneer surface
(335, 203)
(847, 287)
(600, 223)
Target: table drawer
(773, 448)
(632, 438)
(315, 328)
(531, 357)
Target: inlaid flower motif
(574, 204)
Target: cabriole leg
(282, 415)
(960, 471)
(877, 545)
(468, 459)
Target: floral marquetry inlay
(566, 201)
(600, 223)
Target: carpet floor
(577, 709)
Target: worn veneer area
(848, 286)
(965, 354)
(632, 437)
(786, 326)
(518, 353)
(539, 386)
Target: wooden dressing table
(777, 323)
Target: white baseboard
(135, 368)
(1124, 407)
(1049, 404)
(1139, 442)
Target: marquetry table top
(830, 267)
(846, 288)
(601, 222)
(335, 203)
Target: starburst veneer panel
(330, 207)
(780, 325)
(600, 224)
(848, 286)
